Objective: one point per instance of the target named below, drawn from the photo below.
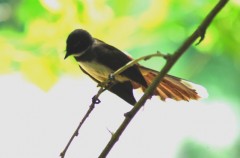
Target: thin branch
(95, 100)
(200, 31)
(104, 86)
(131, 63)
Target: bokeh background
(43, 96)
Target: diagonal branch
(200, 32)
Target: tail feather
(171, 93)
(184, 89)
(170, 87)
(176, 94)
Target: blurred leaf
(38, 72)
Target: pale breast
(99, 71)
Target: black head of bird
(78, 41)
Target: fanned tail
(170, 87)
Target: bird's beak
(66, 56)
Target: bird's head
(77, 42)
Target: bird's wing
(115, 59)
(123, 90)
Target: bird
(98, 60)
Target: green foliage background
(33, 34)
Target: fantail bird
(98, 60)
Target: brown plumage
(170, 87)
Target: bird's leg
(109, 82)
(111, 79)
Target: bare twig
(95, 100)
(104, 86)
(200, 32)
(131, 63)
